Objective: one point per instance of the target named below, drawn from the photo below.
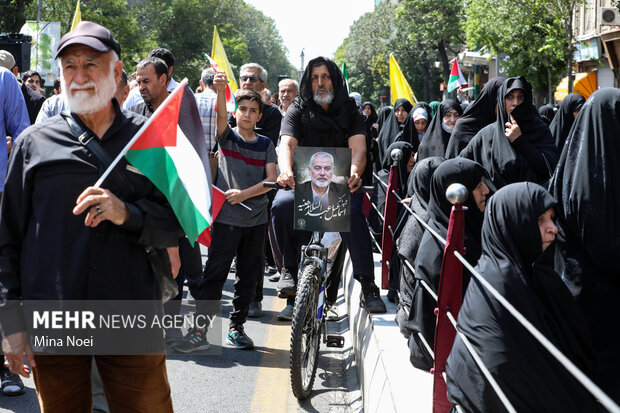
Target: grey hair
(296, 83)
(321, 155)
(207, 76)
(262, 73)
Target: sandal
(10, 383)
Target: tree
(435, 27)
(12, 17)
(534, 35)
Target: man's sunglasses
(250, 78)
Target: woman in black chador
(586, 184)
(517, 260)
(564, 119)
(393, 129)
(518, 146)
(438, 133)
(477, 115)
(430, 254)
(419, 191)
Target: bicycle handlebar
(275, 185)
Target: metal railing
(440, 401)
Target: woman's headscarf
(546, 112)
(434, 106)
(420, 110)
(373, 113)
(436, 138)
(586, 184)
(514, 264)
(331, 126)
(467, 173)
(394, 131)
(419, 190)
(564, 119)
(531, 157)
(403, 175)
(384, 114)
(478, 115)
(429, 257)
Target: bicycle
(309, 321)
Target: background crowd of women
(541, 226)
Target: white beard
(81, 102)
(320, 184)
(325, 99)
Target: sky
(317, 26)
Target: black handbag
(158, 257)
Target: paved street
(231, 380)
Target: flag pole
(122, 153)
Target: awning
(583, 84)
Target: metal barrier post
(389, 222)
(450, 295)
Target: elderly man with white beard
(320, 190)
(63, 239)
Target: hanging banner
(45, 39)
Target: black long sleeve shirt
(48, 253)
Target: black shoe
(370, 299)
(392, 296)
(286, 285)
(286, 314)
(194, 340)
(256, 309)
(237, 338)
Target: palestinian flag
(231, 103)
(170, 151)
(456, 78)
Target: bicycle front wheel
(305, 333)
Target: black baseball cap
(92, 35)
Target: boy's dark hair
(250, 95)
(164, 54)
(57, 83)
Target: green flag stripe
(157, 165)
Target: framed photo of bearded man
(322, 195)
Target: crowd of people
(539, 226)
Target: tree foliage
(183, 26)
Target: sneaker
(237, 338)
(370, 299)
(10, 383)
(286, 314)
(286, 285)
(256, 309)
(172, 335)
(271, 269)
(194, 340)
(274, 278)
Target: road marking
(272, 392)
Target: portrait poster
(322, 195)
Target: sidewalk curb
(388, 381)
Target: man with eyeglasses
(253, 76)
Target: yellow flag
(219, 55)
(399, 87)
(77, 17)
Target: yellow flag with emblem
(77, 17)
(399, 87)
(219, 55)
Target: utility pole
(301, 69)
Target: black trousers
(191, 270)
(248, 244)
